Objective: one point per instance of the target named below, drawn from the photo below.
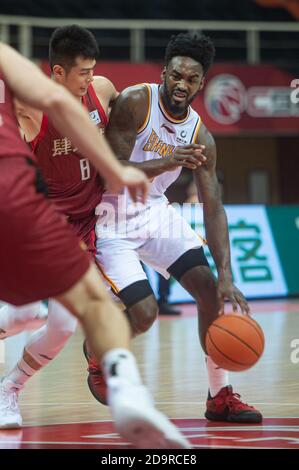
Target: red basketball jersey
(73, 183)
(11, 143)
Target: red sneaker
(227, 406)
(95, 380)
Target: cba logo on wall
(225, 98)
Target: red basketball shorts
(40, 256)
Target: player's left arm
(215, 221)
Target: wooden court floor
(59, 412)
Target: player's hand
(136, 181)
(189, 156)
(226, 290)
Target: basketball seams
(238, 338)
(253, 323)
(224, 355)
(234, 345)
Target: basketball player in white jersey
(153, 126)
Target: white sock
(20, 374)
(122, 364)
(218, 378)
(45, 343)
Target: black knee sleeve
(136, 292)
(190, 259)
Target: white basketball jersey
(157, 138)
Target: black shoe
(227, 406)
(167, 309)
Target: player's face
(78, 78)
(183, 79)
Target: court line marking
(97, 444)
(65, 443)
(196, 446)
(171, 418)
(157, 403)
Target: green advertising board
(264, 246)
(284, 222)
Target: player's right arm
(127, 117)
(32, 87)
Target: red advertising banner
(244, 99)
(236, 99)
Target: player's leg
(181, 255)
(108, 334)
(141, 313)
(129, 285)
(43, 345)
(222, 404)
(33, 233)
(119, 263)
(13, 319)
(192, 270)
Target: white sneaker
(10, 416)
(137, 420)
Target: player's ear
(202, 82)
(58, 71)
(163, 74)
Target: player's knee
(143, 315)
(67, 331)
(25, 314)
(87, 295)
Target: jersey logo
(157, 145)
(95, 117)
(62, 147)
(170, 131)
(182, 138)
(183, 134)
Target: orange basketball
(235, 342)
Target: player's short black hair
(69, 42)
(194, 45)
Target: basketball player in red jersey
(40, 256)
(73, 184)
